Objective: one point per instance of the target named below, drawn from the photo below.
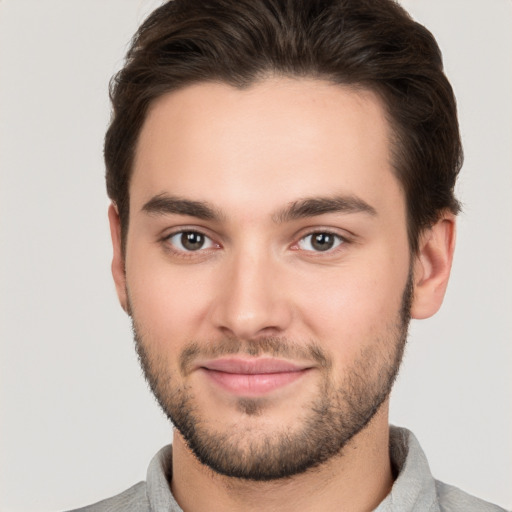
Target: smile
(252, 377)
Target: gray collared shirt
(415, 489)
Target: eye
(189, 241)
(320, 242)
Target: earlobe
(432, 267)
(118, 267)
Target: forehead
(271, 143)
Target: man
(282, 176)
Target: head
(282, 181)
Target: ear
(118, 268)
(432, 267)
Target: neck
(357, 479)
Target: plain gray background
(77, 422)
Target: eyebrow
(314, 206)
(164, 204)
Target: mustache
(274, 346)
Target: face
(267, 269)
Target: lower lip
(253, 384)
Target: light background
(77, 422)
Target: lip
(252, 377)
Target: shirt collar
(414, 488)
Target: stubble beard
(329, 421)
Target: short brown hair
(372, 44)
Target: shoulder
(133, 499)
(452, 499)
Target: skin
(249, 154)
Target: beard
(326, 424)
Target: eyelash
(167, 240)
(339, 240)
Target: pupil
(323, 241)
(192, 241)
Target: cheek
(351, 308)
(167, 301)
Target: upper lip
(252, 366)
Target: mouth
(252, 377)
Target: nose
(252, 300)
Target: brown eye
(320, 242)
(192, 241)
(189, 241)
